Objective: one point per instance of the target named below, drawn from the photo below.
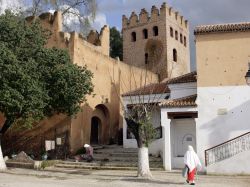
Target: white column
(165, 123)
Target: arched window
(133, 36)
(185, 41)
(176, 35)
(171, 32)
(145, 33)
(181, 38)
(174, 55)
(146, 58)
(155, 31)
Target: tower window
(145, 33)
(155, 31)
(176, 35)
(133, 36)
(174, 55)
(146, 58)
(185, 41)
(171, 32)
(181, 38)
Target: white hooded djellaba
(191, 159)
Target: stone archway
(100, 125)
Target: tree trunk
(143, 163)
(2, 162)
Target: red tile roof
(189, 77)
(156, 88)
(188, 101)
(222, 28)
(159, 88)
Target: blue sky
(198, 12)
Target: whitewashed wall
(156, 147)
(182, 90)
(224, 113)
(239, 164)
(166, 131)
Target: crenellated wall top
(156, 14)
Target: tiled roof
(188, 101)
(190, 77)
(222, 28)
(156, 88)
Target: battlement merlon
(144, 16)
(156, 14)
(53, 22)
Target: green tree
(115, 43)
(36, 82)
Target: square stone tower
(158, 41)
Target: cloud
(100, 21)
(71, 20)
(15, 6)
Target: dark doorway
(95, 129)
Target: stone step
(109, 164)
(20, 165)
(103, 165)
(118, 149)
(114, 154)
(107, 157)
(111, 157)
(101, 168)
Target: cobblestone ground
(84, 178)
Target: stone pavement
(101, 178)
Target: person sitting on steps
(88, 156)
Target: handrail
(227, 141)
(227, 149)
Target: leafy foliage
(116, 43)
(36, 82)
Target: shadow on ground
(136, 180)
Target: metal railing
(227, 149)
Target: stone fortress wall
(111, 79)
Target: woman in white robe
(191, 161)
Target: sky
(198, 12)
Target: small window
(185, 41)
(133, 36)
(146, 58)
(155, 31)
(181, 38)
(176, 35)
(171, 32)
(145, 33)
(174, 55)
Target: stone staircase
(111, 157)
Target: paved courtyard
(82, 178)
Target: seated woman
(88, 156)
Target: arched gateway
(100, 125)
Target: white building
(209, 109)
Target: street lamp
(247, 77)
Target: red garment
(191, 175)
